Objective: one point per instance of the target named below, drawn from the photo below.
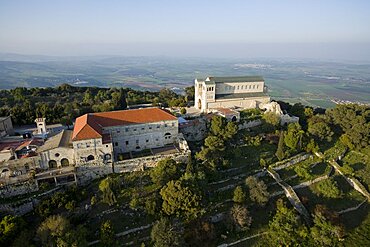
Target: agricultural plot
(314, 195)
(304, 171)
(360, 164)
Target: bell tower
(41, 125)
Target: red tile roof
(89, 126)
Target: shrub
(329, 188)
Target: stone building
(230, 92)
(103, 136)
(57, 151)
(6, 127)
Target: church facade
(230, 92)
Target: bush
(328, 188)
(239, 195)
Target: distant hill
(311, 82)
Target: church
(243, 92)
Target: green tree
(181, 200)
(119, 100)
(271, 118)
(73, 237)
(107, 235)
(318, 126)
(167, 234)
(189, 93)
(354, 121)
(326, 231)
(239, 195)
(106, 186)
(66, 121)
(280, 153)
(293, 136)
(328, 188)
(183, 110)
(240, 217)
(53, 228)
(9, 228)
(166, 170)
(285, 229)
(257, 191)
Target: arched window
(52, 164)
(167, 136)
(90, 157)
(233, 119)
(107, 156)
(64, 162)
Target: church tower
(41, 125)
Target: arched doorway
(64, 162)
(52, 164)
(90, 157)
(233, 119)
(199, 104)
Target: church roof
(90, 126)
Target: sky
(322, 29)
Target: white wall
(239, 87)
(243, 103)
(57, 154)
(94, 147)
(137, 137)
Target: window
(173, 124)
(137, 142)
(87, 145)
(106, 146)
(57, 155)
(116, 144)
(250, 86)
(146, 141)
(165, 125)
(142, 128)
(150, 127)
(238, 88)
(254, 86)
(118, 131)
(126, 142)
(126, 129)
(241, 87)
(257, 86)
(158, 126)
(135, 129)
(156, 139)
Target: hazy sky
(325, 29)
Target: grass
(361, 164)
(349, 198)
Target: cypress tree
(280, 150)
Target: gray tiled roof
(63, 139)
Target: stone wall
(91, 171)
(18, 208)
(250, 124)
(194, 130)
(18, 189)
